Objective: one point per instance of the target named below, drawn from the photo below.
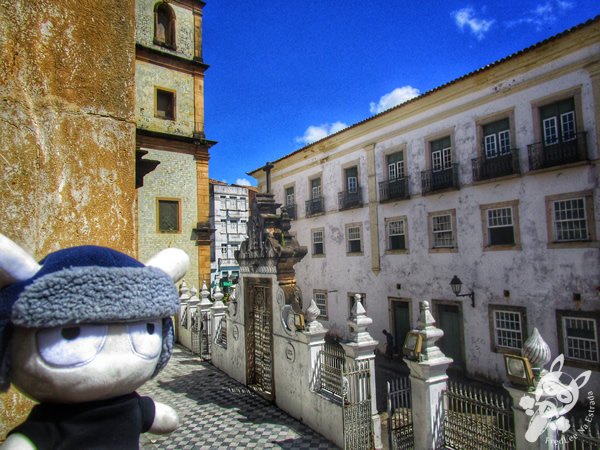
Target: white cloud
(465, 17)
(315, 133)
(543, 14)
(391, 99)
(243, 182)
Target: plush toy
(79, 333)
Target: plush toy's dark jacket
(115, 423)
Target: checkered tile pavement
(217, 412)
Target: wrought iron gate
(200, 334)
(477, 419)
(400, 420)
(358, 425)
(260, 337)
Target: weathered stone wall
(173, 178)
(184, 31)
(148, 78)
(66, 129)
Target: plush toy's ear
(173, 261)
(15, 263)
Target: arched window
(164, 25)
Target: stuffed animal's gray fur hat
(85, 284)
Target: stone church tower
(171, 148)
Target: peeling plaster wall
(150, 76)
(539, 278)
(174, 178)
(184, 31)
(66, 131)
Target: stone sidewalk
(217, 412)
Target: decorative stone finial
(184, 291)
(537, 351)
(218, 297)
(194, 293)
(430, 334)
(312, 312)
(204, 294)
(310, 316)
(359, 321)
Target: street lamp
(456, 286)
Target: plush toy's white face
(86, 362)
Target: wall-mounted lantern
(456, 286)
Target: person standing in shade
(389, 347)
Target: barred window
(500, 226)
(508, 331)
(318, 242)
(396, 235)
(321, 301)
(354, 239)
(580, 338)
(169, 216)
(570, 221)
(443, 235)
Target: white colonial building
(229, 212)
(493, 178)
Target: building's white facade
(502, 178)
(229, 212)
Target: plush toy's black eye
(70, 333)
(150, 328)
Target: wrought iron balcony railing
(291, 210)
(564, 151)
(315, 206)
(437, 180)
(347, 199)
(395, 189)
(499, 166)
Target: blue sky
(285, 73)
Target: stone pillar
(428, 383)
(360, 348)
(314, 335)
(218, 313)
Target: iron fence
(564, 150)
(396, 189)
(499, 166)
(205, 335)
(358, 424)
(477, 419)
(436, 180)
(349, 199)
(400, 420)
(221, 335)
(331, 363)
(582, 435)
(315, 206)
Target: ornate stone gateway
(259, 339)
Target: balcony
(315, 206)
(439, 180)
(499, 166)
(291, 211)
(564, 151)
(347, 199)
(395, 189)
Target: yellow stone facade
(68, 136)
